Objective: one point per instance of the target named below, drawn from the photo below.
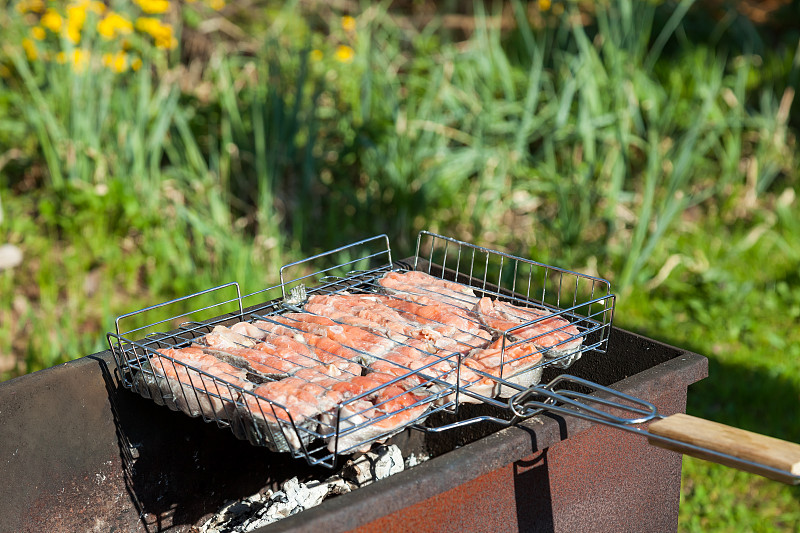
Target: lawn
(151, 149)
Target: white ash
(262, 509)
(293, 498)
(413, 460)
(372, 466)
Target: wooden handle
(746, 445)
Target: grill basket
(570, 315)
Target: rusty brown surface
(89, 502)
(599, 479)
(78, 453)
(548, 474)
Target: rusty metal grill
(574, 309)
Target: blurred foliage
(152, 149)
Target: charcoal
(259, 510)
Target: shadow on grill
(532, 493)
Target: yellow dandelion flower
(61, 58)
(348, 23)
(153, 7)
(344, 54)
(169, 43)
(316, 55)
(136, 64)
(161, 33)
(73, 33)
(106, 29)
(30, 49)
(80, 59)
(147, 24)
(144, 24)
(52, 20)
(119, 63)
(544, 5)
(216, 5)
(38, 33)
(76, 16)
(113, 25)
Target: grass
(642, 142)
(717, 303)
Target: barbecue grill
(121, 461)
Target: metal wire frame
(520, 281)
(265, 422)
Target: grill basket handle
(759, 454)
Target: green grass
(726, 301)
(643, 142)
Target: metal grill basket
(164, 352)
